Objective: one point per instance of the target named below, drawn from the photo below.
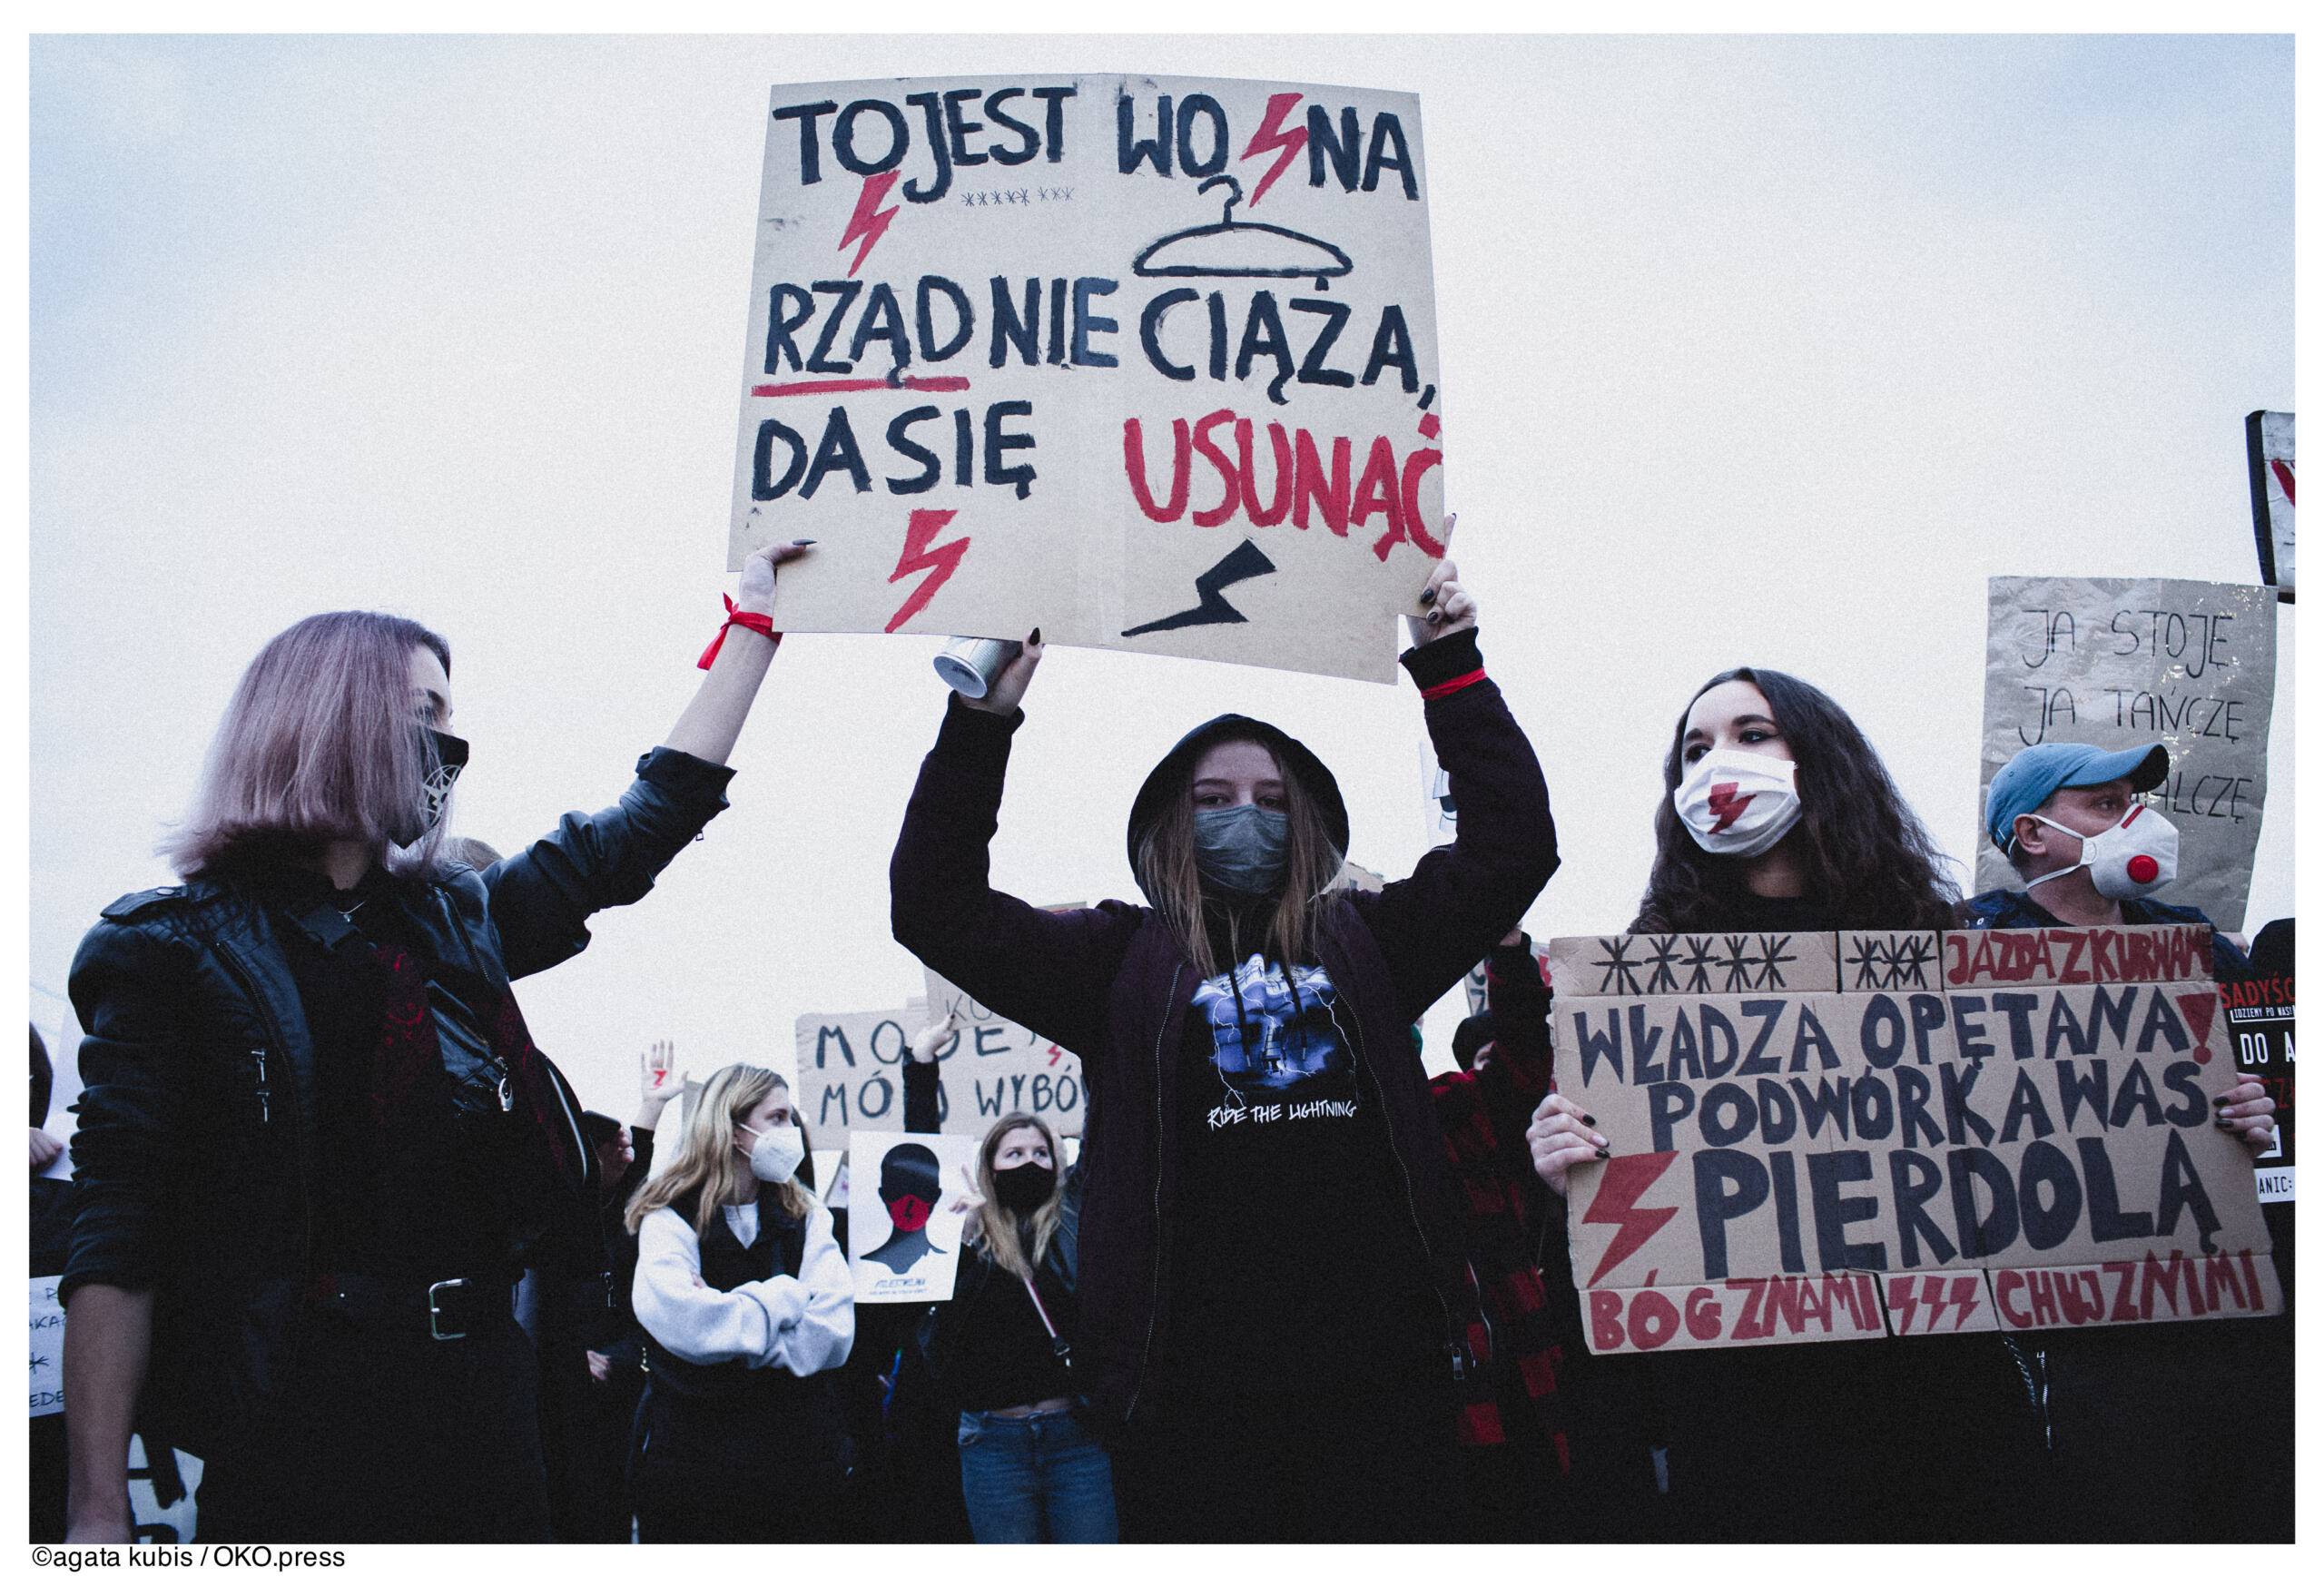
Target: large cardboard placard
(1145, 362)
(850, 1071)
(995, 1068)
(2188, 664)
(1904, 1160)
(903, 1234)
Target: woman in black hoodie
(1778, 815)
(1271, 1295)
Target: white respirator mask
(2128, 860)
(1737, 802)
(776, 1153)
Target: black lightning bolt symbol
(1246, 562)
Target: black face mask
(1024, 1187)
(448, 754)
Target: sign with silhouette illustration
(1142, 362)
(1871, 1134)
(904, 1218)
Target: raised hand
(1008, 685)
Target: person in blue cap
(2089, 851)
(2087, 848)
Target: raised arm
(541, 897)
(1438, 922)
(1049, 970)
(1516, 1076)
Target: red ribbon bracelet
(763, 623)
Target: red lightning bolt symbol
(940, 562)
(866, 224)
(1616, 1206)
(1727, 804)
(1272, 138)
(2283, 472)
(1901, 1301)
(1965, 1297)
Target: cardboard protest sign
(1702, 964)
(2268, 452)
(850, 1073)
(2187, 664)
(47, 1347)
(903, 1234)
(1145, 362)
(994, 1068)
(1817, 1165)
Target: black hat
(1169, 776)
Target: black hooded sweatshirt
(1162, 1243)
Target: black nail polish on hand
(1428, 596)
(803, 542)
(1604, 1151)
(1034, 638)
(2226, 1122)
(1589, 1121)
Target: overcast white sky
(1755, 350)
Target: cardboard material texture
(1927, 1140)
(1704, 965)
(2189, 665)
(2077, 956)
(996, 1067)
(1145, 362)
(850, 1073)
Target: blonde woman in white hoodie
(748, 1309)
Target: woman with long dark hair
(748, 1306)
(1778, 815)
(1792, 823)
(1274, 1306)
(1002, 1349)
(316, 1139)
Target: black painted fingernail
(1588, 1119)
(803, 542)
(1034, 638)
(1604, 1151)
(2221, 1099)
(2227, 1122)
(1428, 596)
(1436, 616)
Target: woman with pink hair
(316, 1140)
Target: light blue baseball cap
(2039, 771)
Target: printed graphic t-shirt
(1295, 1268)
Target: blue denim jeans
(1042, 1479)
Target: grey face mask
(1243, 850)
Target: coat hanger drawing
(1241, 250)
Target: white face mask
(2128, 860)
(775, 1154)
(1737, 802)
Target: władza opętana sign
(1822, 1137)
(1145, 362)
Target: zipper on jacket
(1453, 1345)
(257, 1056)
(265, 1015)
(1154, 1299)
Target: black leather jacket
(195, 1146)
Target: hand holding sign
(755, 595)
(1446, 605)
(928, 1042)
(2246, 1111)
(1008, 686)
(1560, 1137)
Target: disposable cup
(971, 664)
